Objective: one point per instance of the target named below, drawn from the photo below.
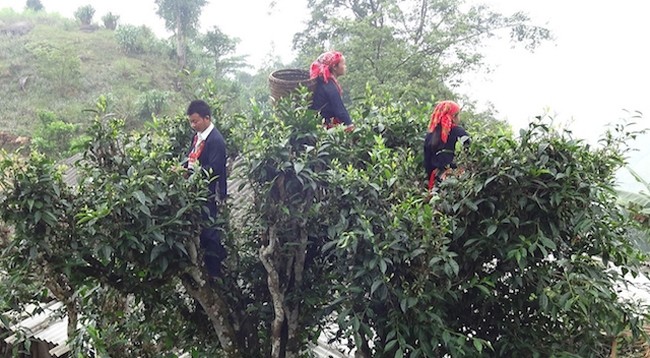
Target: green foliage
(540, 243)
(64, 70)
(181, 17)
(110, 20)
(33, 189)
(152, 103)
(520, 255)
(57, 64)
(511, 259)
(423, 46)
(34, 5)
(640, 200)
(131, 223)
(9, 15)
(52, 135)
(135, 39)
(85, 14)
(220, 47)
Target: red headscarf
(443, 115)
(323, 64)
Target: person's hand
(349, 128)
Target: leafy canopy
(403, 46)
(520, 255)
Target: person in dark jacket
(440, 141)
(209, 150)
(327, 98)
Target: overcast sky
(597, 67)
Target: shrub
(53, 135)
(34, 5)
(135, 39)
(59, 65)
(152, 103)
(85, 14)
(110, 21)
(519, 256)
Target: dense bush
(540, 242)
(53, 135)
(85, 14)
(110, 21)
(135, 39)
(34, 5)
(519, 255)
(57, 64)
(152, 103)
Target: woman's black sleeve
(463, 133)
(336, 103)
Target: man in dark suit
(209, 150)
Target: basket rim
(303, 73)
(295, 77)
(302, 70)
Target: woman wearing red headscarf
(327, 92)
(440, 141)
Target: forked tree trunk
(217, 310)
(212, 302)
(286, 325)
(60, 287)
(275, 288)
(293, 313)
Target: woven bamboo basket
(283, 82)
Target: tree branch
(277, 293)
(298, 270)
(217, 310)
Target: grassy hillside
(58, 68)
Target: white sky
(598, 66)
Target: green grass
(68, 69)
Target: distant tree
(110, 21)
(219, 46)
(411, 44)
(181, 17)
(85, 14)
(35, 5)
